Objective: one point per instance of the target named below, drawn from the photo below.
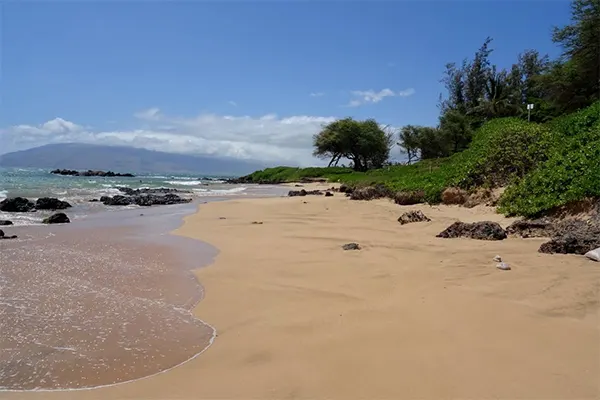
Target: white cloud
(406, 93)
(361, 97)
(232, 103)
(317, 94)
(151, 114)
(269, 137)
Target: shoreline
(291, 308)
(174, 220)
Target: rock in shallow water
(16, 204)
(51, 203)
(3, 236)
(58, 218)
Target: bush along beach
(543, 158)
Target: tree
(423, 142)
(575, 79)
(365, 143)
(409, 142)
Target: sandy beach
(407, 316)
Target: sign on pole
(529, 108)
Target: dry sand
(408, 316)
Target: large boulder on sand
(412, 216)
(370, 193)
(58, 218)
(573, 237)
(16, 204)
(50, 203)
(408, 198)
(571, 243)
(485, 230)
(531, 228)
(303, 192)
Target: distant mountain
(124, 159)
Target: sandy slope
(409, 316)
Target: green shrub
(503, 150)
(571, 173)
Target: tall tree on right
(574, 81)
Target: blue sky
(236, 78)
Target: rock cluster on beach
(134, 192)
(50, 203)
(17, 204)
(144, 197)
(21, 204)
(72, 172)
(303, 192)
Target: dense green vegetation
(484, 137)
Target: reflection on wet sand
(90, 306)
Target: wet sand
(408, 316)
(99, 302)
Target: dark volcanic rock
(58, 218)
(571, 244)
(143, 200)
(485, 230)
(413, 216)
(16, 204)
(351, 246)
(531, 228)
(134, 192)
(573, 237)
(5, 222)
(118, 200)
(293, 193)
(346, 189)
(370, 193)
(409, 198)
(3, 236)
(50, 203)
(328, 194)
(89, 173)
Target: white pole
(529, 108)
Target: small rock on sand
(503, 266)
(351, 246)
(257, 222)
(498, 259)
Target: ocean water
(107, 298)
(33, 183)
